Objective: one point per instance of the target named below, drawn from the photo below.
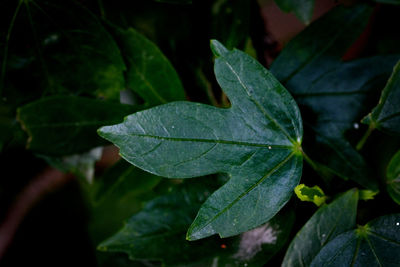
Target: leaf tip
(217, 48)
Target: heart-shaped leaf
(386, 115)
(393, 178)
(257, 141)
(64, 125)
(327, 223)
(375, 244)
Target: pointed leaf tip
(218, 48)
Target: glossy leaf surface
(375, 244)
(386, 115)
(328, 222)
(158, 233)
(256, 141)
(150, 74)
(393, 178)
(302, 9)
(64, 125)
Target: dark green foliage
(230, 134)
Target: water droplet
(323, 235)
(398, 223)
(173, 127)
(269, 147)
(356, 125)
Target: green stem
(101, 7)
(310, 161)
(4, 63)
(362, 141)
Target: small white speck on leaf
(269, 147)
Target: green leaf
(256, 141)
(116, 195)
(313, 71)
(158, 233)
(303, 9)
(375, 244)
(67, 47)
(231, 22)
(386, 115)
(313, 194)
(64, 125)
(393, 178)
(150, 74)
(367, 194)
(328, 222)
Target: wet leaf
(256, 141)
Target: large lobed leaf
(386, 115)
(327, 223)
(257, 141)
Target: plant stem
(4, 63)
(310, 161)
(362, 141)
(101, 7)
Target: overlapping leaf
(256, 141)
(393, 177)
(158, 233)
(386, 115)
(302, 9)
(64, 47)
(64, 125)
(116, 195)
(375, 244)
(327, 223)
(149, 73)
(334, 94)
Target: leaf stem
(4, 63)
(101, 7)
(310, 161)
(207, 85)
(362, 141)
